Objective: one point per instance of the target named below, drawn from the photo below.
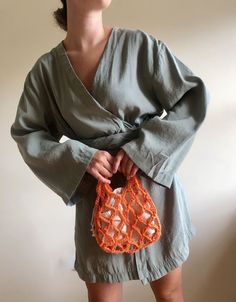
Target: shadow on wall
(214, 280)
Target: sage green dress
(137, 79)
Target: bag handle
(105, 188)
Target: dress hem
(169, 265)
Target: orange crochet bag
(124, 219)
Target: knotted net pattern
(124, 219)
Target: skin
(86, 36)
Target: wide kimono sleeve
(164, 142)
(60, 166)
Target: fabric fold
(60, 166)
(164, 142)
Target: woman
(106, 88)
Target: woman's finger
(134, 170)
(109, 158)
(123, 164)
(108, 166)
(128, 167)
(117, 160)
(105, 172)
(101, 177)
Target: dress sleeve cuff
(151, 164)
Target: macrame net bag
(125, 219)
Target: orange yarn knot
(124, 219)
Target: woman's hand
(101, 166)
(124, 164)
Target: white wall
(36, 228)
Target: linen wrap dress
(137, 80)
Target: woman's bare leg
(105, 292)
(169, 287)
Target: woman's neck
(85, 29)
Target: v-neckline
(96, 74)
